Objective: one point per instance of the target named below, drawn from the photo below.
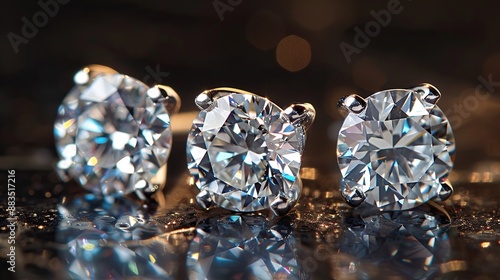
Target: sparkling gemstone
(242, 247)
(397, 151)
(245, 153)
(112, 136)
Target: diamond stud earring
(112, 133)
(244, 152)
(395, 149)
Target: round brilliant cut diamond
(245, 153)
(112, 137)
(397, 152)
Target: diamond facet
(397, 152)
(112, 137)
(244, 153)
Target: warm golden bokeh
(293, 53)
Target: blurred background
(302, 50)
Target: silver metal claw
(446, 191)
(90, 72)
(428, 92)
(351, 104)
(354, 199)
(281, 206)
(204, 200)
(302, 114)
(205, 99)
(166, 95)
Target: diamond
(397, 152)
(113, 137)
(244, 153)
(242, 247)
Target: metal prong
(204, 199)
(301, 114)
(354, 198)
(88, 73)
(446, 191)
(166, 95)
(206, 98)
(428, 92)
(281, 206)
(351, 104)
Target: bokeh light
(293, 53)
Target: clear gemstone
(397, 151)
(239, 247)
(245, 153)
(112, 137)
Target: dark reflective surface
(409, 244)
(84, 237)
(243, 247)
(114, 239)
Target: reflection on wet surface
(84, 237)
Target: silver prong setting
(446, 191)
(89, 73)
(354, 198)
(166, 95)
(204, 199)
(281, 206)
(204, 100)
(302, 114)
(428, 93)
(351, 104)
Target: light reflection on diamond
(242, 247)
(410, 244)
(110, 239)
(397, 151)
(245, 153)
(110, 134)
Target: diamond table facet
(245, 153)
(397, 152)
(112, 137)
